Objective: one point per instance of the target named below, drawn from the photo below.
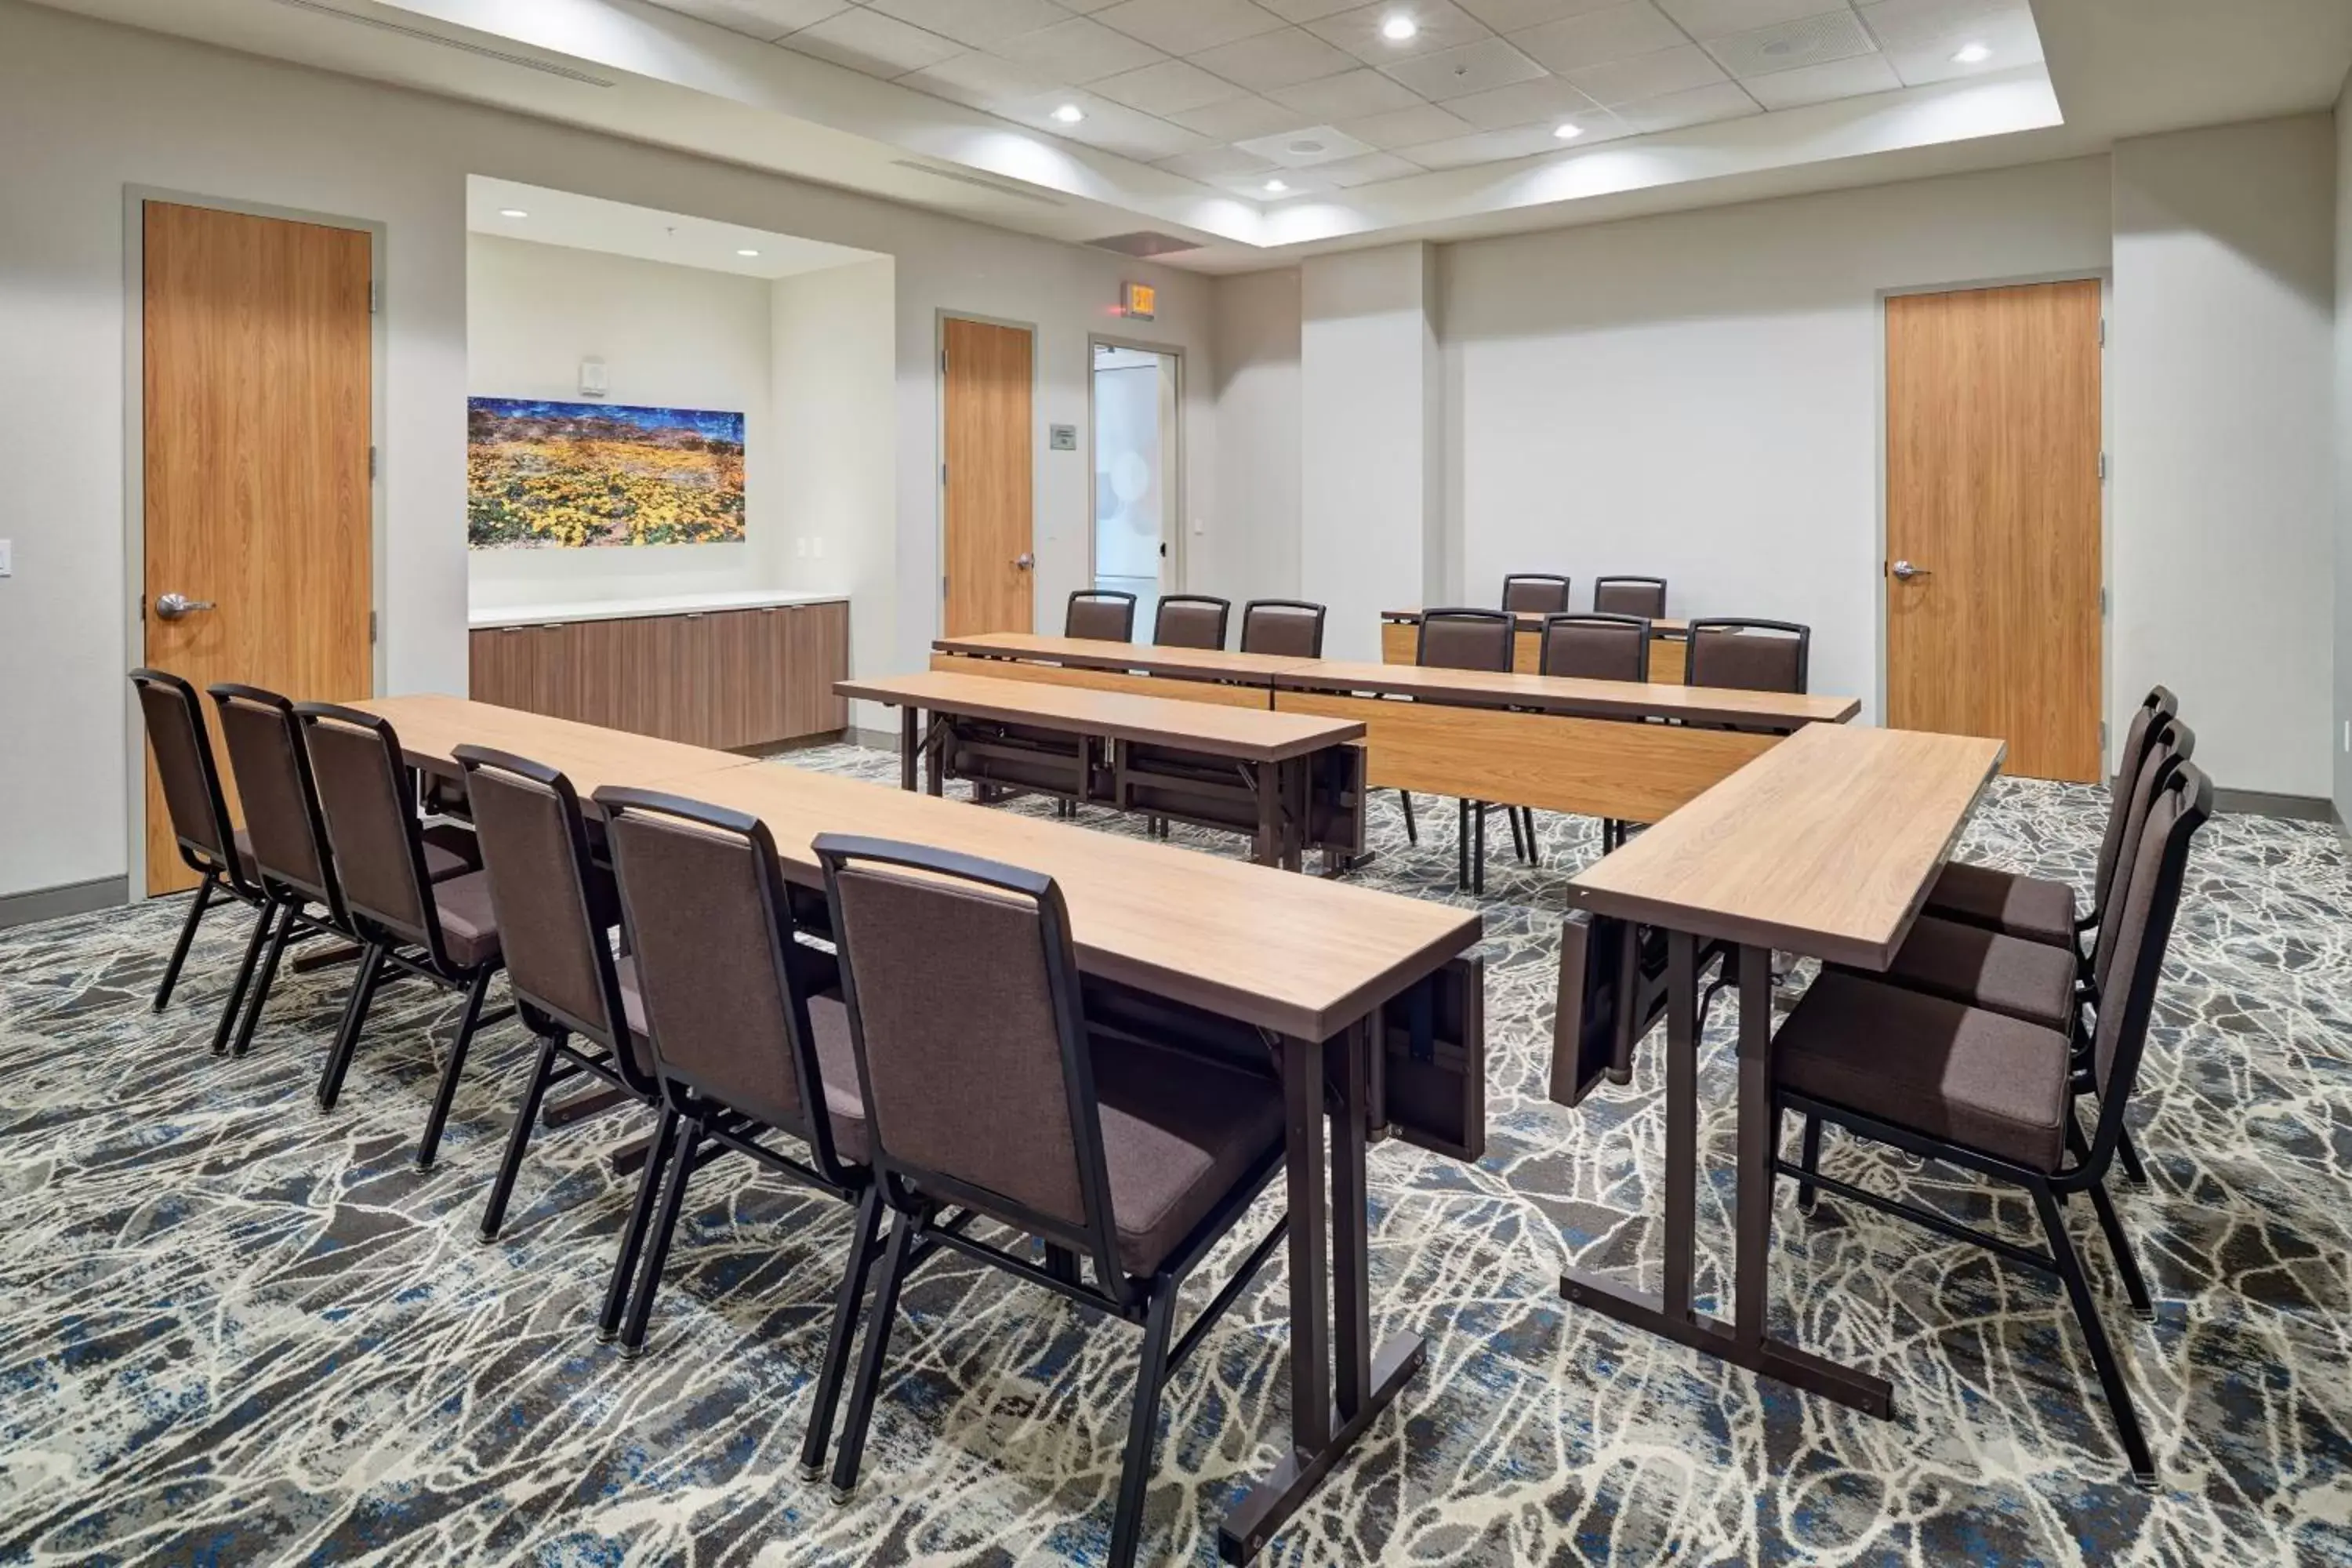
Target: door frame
(940, 316)
(1178, 556)
(135, 198)
(2104, 278)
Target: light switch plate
(7, 558)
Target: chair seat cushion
(449, 851)
(2029, 908)
(470, 930)
(1964, 1075)
(1980, 968)
(1180, 1132)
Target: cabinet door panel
(819, 656)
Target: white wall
(1697, 396)
(1258, 471)
(2344, 457)
(88, 109)
(2221, 358)
(670, 337)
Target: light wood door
(990, 556)
(1992, 521)
(255, 372)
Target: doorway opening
(1138, 543)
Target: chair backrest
(282, 819)
(552, 903)
(1535, 594)
(2171, 743)
(1466, 639)
(1749, 655)
(1106, 614)
(1190, 620)
(965, 1002)
(183, 749)
(1643, 596)
(1292, 628)
(2159, 863)
(2159, 703)
(371, 827)
(1596, 647)
(724, 983)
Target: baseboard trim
(873, 740)
(57, 903)
(2264, 802)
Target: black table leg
(909, 728)
(1266, 784)
(935, 755)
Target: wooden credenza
(717, 678)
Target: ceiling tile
(766, 20)
(1240, 118)
(979, 23)
(1366, 168)
(1785, 46)
(1113, 127)
(1486, 147)
(1648, 76)
(1086, 7)
(1472, 67)
(2012, 39)
(1699, 106)
(1289, 184)
(1705, 19)
(1919, 24)
(1855, 77)
(1079, 49)
(1274, 59)
(1596, 125)
(1511, 16)
(1217, 164)
(1523, 103)
(1166, 87)
(981, 82)
(1404, 126)
(1306, 147)
(870, 42)
(1307, 10)
(1442, 26)
(1188, 27)
(1597, 37)
(1347, 96)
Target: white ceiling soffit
(511, 210)
(1262, 129)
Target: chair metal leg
(202, 901)
(641, 1302)
(1479, 848)
(2112, 1226)
(1412, 834)
(844, 1328)
(2103, 1355)
(2129, 1155)
(233, 1009)
(1810, 1157)
(430, 1144)
(347, 1035)
(263, 982)
(851, 1451)
(1535, 846)
(1143, 1426)
(633, 1238)
(493, 1212)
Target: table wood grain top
(430, 725)
(1826, 844)
(1245, 733)
(1567, 694)
(1089, 653)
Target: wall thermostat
(1062, 437)
(591, 378)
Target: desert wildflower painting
(571, 475)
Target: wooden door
(989, 556)
(255, 372)
(1992, 521)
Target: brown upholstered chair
(1190, 620)
(1467, 639)
(749, 1037)
(1134, 1159)
(1995, 1095)
(555, 909)
(1106, 614)
(217, 853)
(1643, 596)
(1288, 629)
(1595, 646)
(1749, 655)
(442, 931)
(1535, 594)
(2034, 907)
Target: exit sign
(1138, 301)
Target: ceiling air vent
(382, 25)
(1003, 187)
(1144, 242)
(1785, 46)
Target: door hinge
(2103, 331)
(2103, 467)
(943, 362)
(371, 296)
(371, 628)
(371, 462)
(943, 586)
(943, 476)
(2103, 737)
(2103, 603)
(143, 606)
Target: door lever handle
(1025, 560)
(175, 606)
(1903, 571)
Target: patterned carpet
(236, 1330)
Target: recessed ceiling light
(747, 250)
(1568, 131)
(1069, 114)
(1399, 28)
(512, 211)
(1972, 54)
(1276, 187)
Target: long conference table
(1669, 642)
(1342, 983)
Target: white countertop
(482, 615)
